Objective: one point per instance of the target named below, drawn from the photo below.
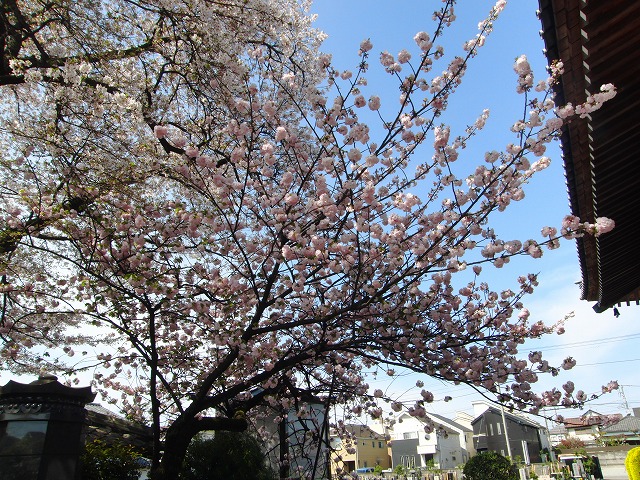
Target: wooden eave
(598, 42)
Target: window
(373, 444)
(26, 440)
(408, 461)
(491, 429)
(379, 444)
(499, 428)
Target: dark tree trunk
(284, 448)
(178, 438)
(175, 449)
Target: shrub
(588, 462)
(489, 465)
(399, 470)
(110, 461)
(571, 443)
(227, 456)
(632, 463)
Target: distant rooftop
(97, 408)
(591, 418)
(628, 424)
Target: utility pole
(552, 455)
(506, 432)
(624, 401)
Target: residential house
(448, 445)
(557, 434)
(495, 428)
(627, 430)
(586, 428)
(358, 447)
(464, 419)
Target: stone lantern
(41, 429)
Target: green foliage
(566, 473)
(610, 441)
(110, 461)
(632, 463)
(399, 470)
(489, 465)
(377, 470)
(546, 455)
(227, 456)
(431, 464)
(588, 462)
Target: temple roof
(599, 43)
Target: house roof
(599, 43)
(628, 424)
(363, 431)
(514, 418)
(449, 423)
(107, 426)
(590, 419)
(97, 408)
(558, 430)
(445, 422)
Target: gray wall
(404, 448)
(490, 424)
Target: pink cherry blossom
(441, 136)
(404, 56)
(365, 46)
(374, 102)
(191, 152)
(359, 101)
(604, 225)
(281, 134)
(423, 41)
(386, 59)
(568, 363)
(160, 131)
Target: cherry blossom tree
(85, 85)
(216, 221)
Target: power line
(605, 363)
(586, 343)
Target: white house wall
(448, 452)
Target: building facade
(508, 434)
(586, 428)
(358, 447)
(447, 446)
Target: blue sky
(605, 347)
